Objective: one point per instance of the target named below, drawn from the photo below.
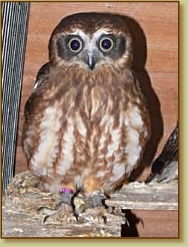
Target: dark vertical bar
(14, 32)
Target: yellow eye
(106, 44)
(75, 45)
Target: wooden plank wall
(159, 21)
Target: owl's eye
(75, 45)
(106, 44)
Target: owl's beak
(91, 61)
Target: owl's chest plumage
(90, 134)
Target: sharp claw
(45, 218)
(47, 211)
(104, 219)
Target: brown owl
(86, 121)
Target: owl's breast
(90, 132)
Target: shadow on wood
(129, 228)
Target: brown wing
(32, 112)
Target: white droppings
(18, 230)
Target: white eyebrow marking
(79, 32)
(100, 32)
(95, 36)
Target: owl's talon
(94, 204)
(104, 219)
(45, 218)
(101, 215)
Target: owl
(165, 167)
(87, 120)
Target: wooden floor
(159, 23)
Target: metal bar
(14, 31)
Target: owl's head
(91, 40)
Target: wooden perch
(21, 202)
(153, 196)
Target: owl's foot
(102, 211)
(77, 207)
(92, 207)
(63, 209)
